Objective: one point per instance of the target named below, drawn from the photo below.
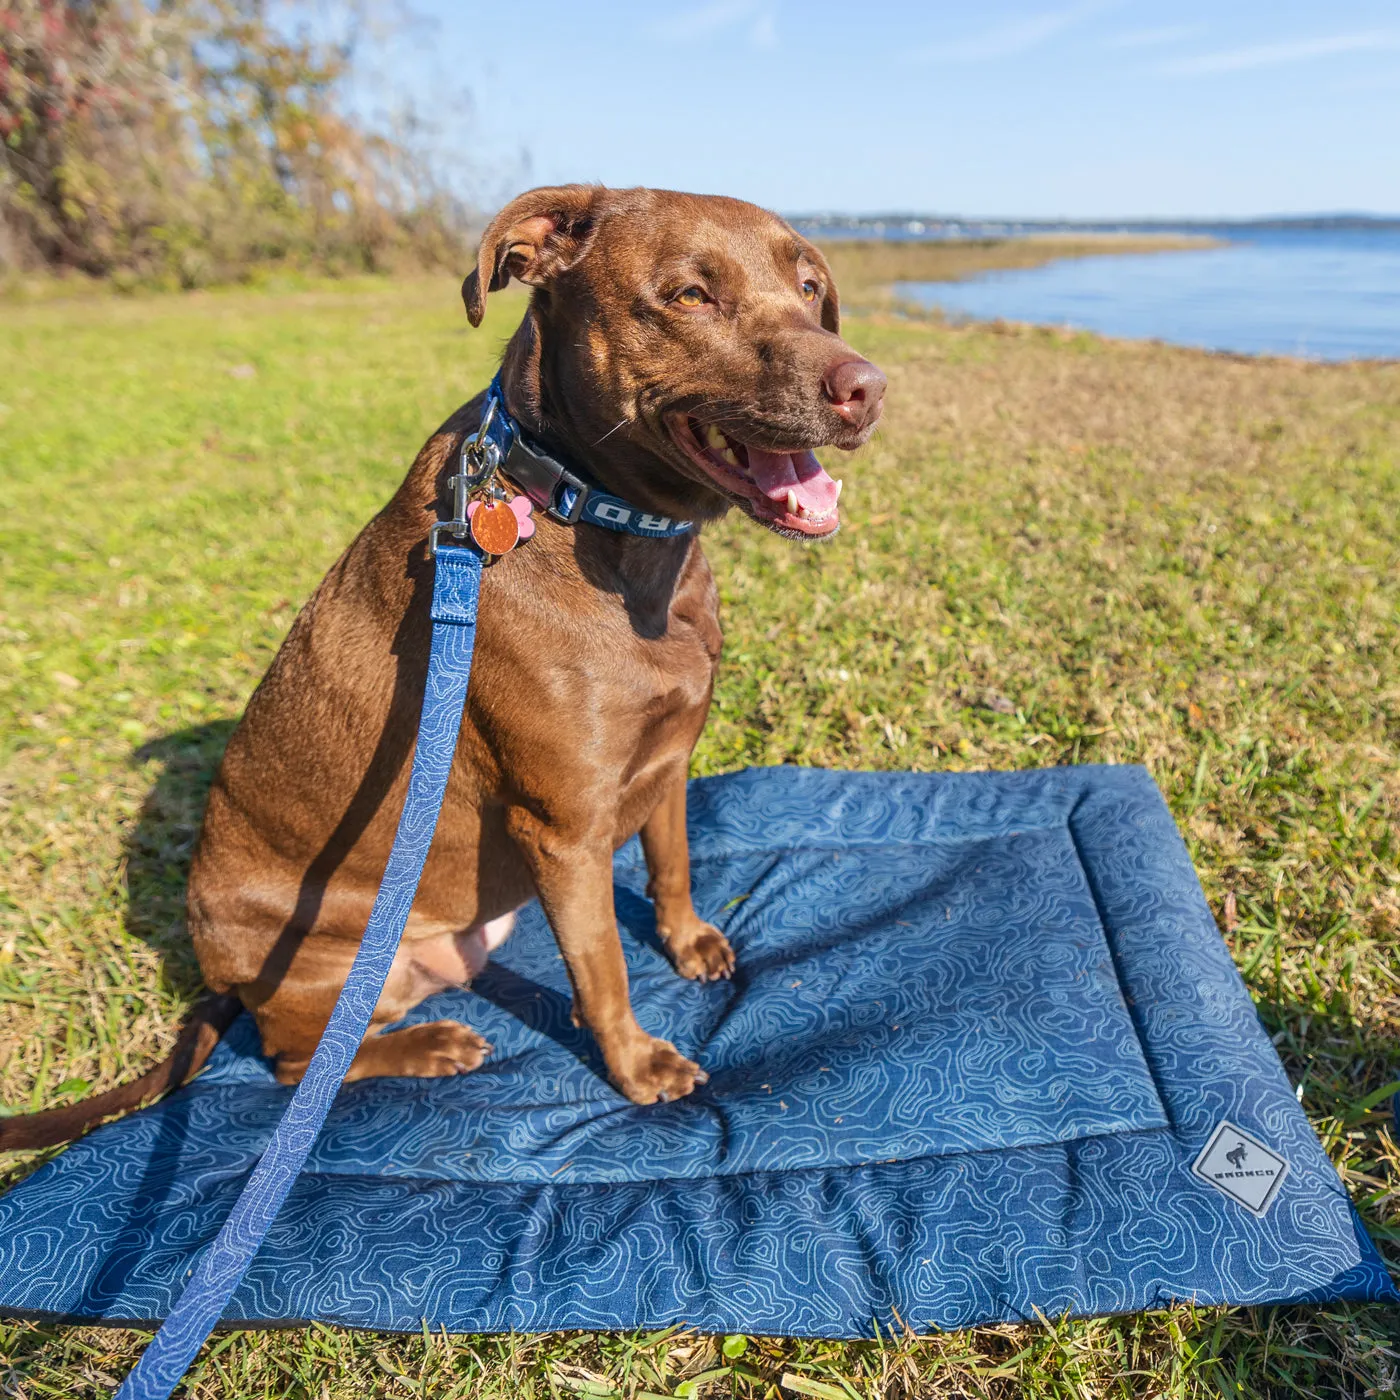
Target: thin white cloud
(1007, 40)
(1297, 51)
(706, 20)
(1152, 38)
(764, 33)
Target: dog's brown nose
(854, 389)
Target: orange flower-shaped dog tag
(498, 526)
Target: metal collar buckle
(557, 491)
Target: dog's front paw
(705, 955)
(654, 1071)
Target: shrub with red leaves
(189, 141)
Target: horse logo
(1243, 1169)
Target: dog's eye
(692, 296)
(809, 291)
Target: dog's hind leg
(433, 1050)
(436, 1048)
(293, 1017)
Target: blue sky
(1107, 108)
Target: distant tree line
(190, 141)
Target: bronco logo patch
(1242, 1167)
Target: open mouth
(787, 491)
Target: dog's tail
(198, 1037)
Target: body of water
(1322, 293)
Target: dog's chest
(662, 648)
(660, 686)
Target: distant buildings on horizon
(935, 226)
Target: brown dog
(681, 350)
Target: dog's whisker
(717, 416)
(622, 423)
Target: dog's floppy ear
(535, 237)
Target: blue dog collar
(563, 494)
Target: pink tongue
(777, 473)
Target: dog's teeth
(792, 505)
(728, 455)
(714, 438)
(839, 485)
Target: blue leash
(456, 586)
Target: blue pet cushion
(982, 1026)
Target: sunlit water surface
(1324, 294)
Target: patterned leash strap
(456, 586)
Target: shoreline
(867, 269)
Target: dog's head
(682, 347)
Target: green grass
(1058, 549)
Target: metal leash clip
(479, 460)
(483, 510)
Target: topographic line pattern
(981, 1025)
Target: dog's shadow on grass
(160, 846)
